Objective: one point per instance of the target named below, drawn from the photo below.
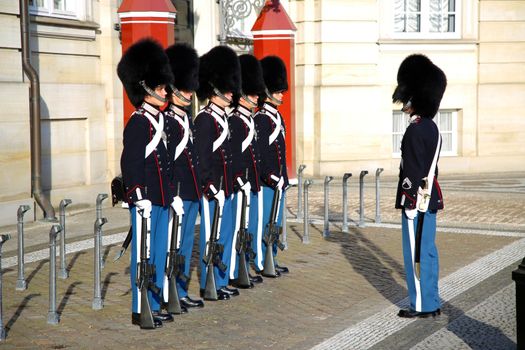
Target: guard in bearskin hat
(420, 87)
(219, 80)
(271, 130)
(146, 171)
(184, 63)
(246, 181)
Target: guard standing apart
(219, 79)
(271, 130)
(246, 161)
(145, 164)
(421, 86)
(184, 63)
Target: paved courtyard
(343, 291)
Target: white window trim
(424, 33)
(79, 13)
(396, 153)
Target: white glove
(177, 205)
(245, 187)
(218, 195)
(279, 180)
(411, 213)
(220, 198)
(144, 207)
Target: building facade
(347, 55)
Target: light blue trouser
(158, 244)
(267, 193)
(191, 209)
(423, 293)
(225, 238)
(253, 222)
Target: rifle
(145, 273)
(243, 244)
(214, 252)
(271, 236)
(174, 264)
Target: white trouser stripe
(138, 231)
(233, 258)
(412, 235)
(206, 209)
(259, 228)
(165, 289)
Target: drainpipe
(34, 100)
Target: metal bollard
(361, 198)
(3, 239)
(299, 215)
(284, 223)
(518, 276)
(101, 198)
(306, 227)
(63, 274)
(378, 207)
(326, 231)
(52, 315)
(346, 176)
(97, 293)
(21, 282)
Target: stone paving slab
(334, 283)
(489, 326)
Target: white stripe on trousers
(259, 229)
(417, 283)
(233, 257)
(206, 210)
(165, 289)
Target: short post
(518, 276)
(63, 274)
(326, 231)
(299, 215)
(21, 282)
(97, 262)
(3, 239)
(100, 198)
(306, 227)
(52, 315)
(346, 176)
(378, 207)
(361, 198)
(285, 223)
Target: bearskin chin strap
(248, 101)
(273, 99)
(177, 93)
(152, 92)
(220, 95)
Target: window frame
(424, 32)
(79, 12)
(453, 152)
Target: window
(73, 9)
(446, 121)
(426, 18)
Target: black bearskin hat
(219, 68)
(252, 75)
(274, 72)
(422, 83)
(145, 61)
(184, 63)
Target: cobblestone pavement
(339, 285)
